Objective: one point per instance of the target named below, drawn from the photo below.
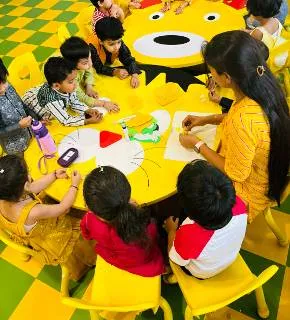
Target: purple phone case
(65, 163)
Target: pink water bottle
(44, 139)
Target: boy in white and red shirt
(210, 238)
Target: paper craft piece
(149, 3)
(175, 151)
(168, 93)
(123, 155)
(103, 110)
(237, 4)
(139, 122)
(163, 119)
(107, 138)
(86, 141)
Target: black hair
(239, 55)
(264, 8)
(95, 3)
(3, 72)
(56, 70)
(109, 28)
(107, 193)
(13, 176)
(206, 194)
(74, 49)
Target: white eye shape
(211, 17)
(156, 15)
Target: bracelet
(72, 186)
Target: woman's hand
(75, 178)
(61, 174)
(193, 121)
(188, 140)
(171, 224)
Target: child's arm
(183, 5)
(171, 226)
(89, 82)
(84, 98)
(41, 184)
(98, 65)
(43, 211)
(257, 34)
(127, 60)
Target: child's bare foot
(166, 7)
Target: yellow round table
(154, 177)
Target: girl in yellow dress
(255, 143)
(45, 228)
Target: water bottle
(44, 139)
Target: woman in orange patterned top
(254, 150)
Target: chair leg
(94, 315)
(187, 313)
(164, 305)
(263, 310)
(283, 241)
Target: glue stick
(125, 130)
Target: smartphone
(68, 157)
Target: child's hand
(188, 141)
(121, 73)
(92, 112)
(75, 178)
(214, 97)
(111, 106)
(90, 91)
(135, 4)
(25, 122)
(95, 119)
(166, 7)
(180, 9)
(171, 224)
(61, 174)
(117, 12)
(135, 81)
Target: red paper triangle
(149, 3)
(107, 138)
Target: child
(47, 229)
(77, 51)
(106, 8)
(180, 8)
(53, 97)
(264, 12)
(108, 46)
(125, 236)
(210, 238)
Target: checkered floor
(30, 291)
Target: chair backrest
(204, 296)
(84, 20)
(4, 237)
(24, 73)
(63, 33)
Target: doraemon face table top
(172, 40)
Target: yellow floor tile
(51, 27)
(21, 35)
(31, 267)
(52, 42)
(260, 239)
(77, 7)
(227, 314)
(19, 22)
(41, 302)
(17, 2)
(284, 306)
(22, 48)
(47, 4)
(19, 11)
(49, 14)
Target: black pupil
(211, 18)
(156, 16)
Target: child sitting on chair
(77, 51)
(126, 238)
(53, 98)
(264, 12)
(45, 228)
(108, 46)
(106, 8)
(210, 238)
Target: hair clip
(260, 70)
(2, 171)
(101, 169)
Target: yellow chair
(63, 33)
(24, 73)
(83, 21)
(205, 296)
(118, 291)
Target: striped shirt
(49, 103)
(98, 15)
(245, 145)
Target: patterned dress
(13, 139)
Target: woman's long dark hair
(107, 193)
(238, 54)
